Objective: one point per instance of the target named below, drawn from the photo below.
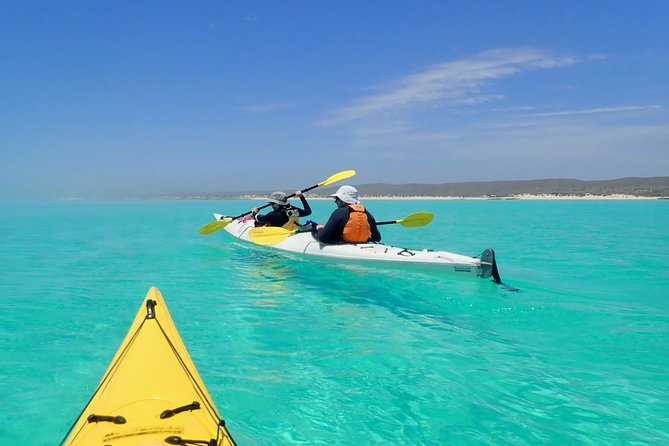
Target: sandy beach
(363, 197)
(510, 197)
(526, 197)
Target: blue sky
(127, 98)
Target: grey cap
(347, 194)
(277, 197)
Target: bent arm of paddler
(272, 218)
(259, 218)
(305, 204)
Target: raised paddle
(270, 235)
(220, 224)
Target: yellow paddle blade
(338, 177)
(214, 226)
(269, 235)
(416, 219)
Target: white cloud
(521, 150)
(454, 82)
(629, 108)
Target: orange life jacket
(357, 228)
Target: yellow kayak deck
(151, 393)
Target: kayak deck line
(151, 392)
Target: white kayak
(483, 266)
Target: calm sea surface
(324, 353)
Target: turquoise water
(321, 353)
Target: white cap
(347, 194)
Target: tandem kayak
(151, 394)
(483, 266)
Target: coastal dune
(631, 188)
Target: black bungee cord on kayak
(169, 413)
(96, 418)
(175, 439)
(118, 419)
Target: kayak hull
(372, 253)
(151, 392)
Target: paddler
(282, 214)
(350, 222)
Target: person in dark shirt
(350, 222)
(282, 214)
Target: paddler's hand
(319, 227)
(298, 193)
(254, 210)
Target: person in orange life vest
(282, 214)
(350, 222)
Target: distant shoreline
(629, 188)
(527, 197)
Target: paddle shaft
(268, 235)
(269, 204)
(411, 220)
(334, 178)
(219, 224)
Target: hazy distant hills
(643, 187)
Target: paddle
(269, 235)
(411, 220)
(220, 224)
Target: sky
(114, 99)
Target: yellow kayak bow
(151, 393)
